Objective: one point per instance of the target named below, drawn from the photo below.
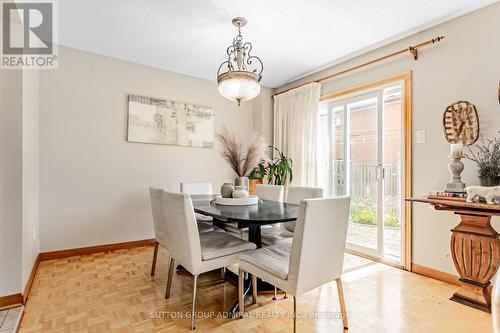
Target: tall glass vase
(242, 181)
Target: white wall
(93, 183)
(18, 177)
(263, 115)
(30, 211)
(19, 245)
(11, 114)
(465, 66)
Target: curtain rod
(413, 50)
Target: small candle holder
(456, 167)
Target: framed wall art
(153, 120)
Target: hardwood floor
(114, 292)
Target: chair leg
(195, 282)
(275, 297)
(155, 255)
(254, 289)
(169, 277)
(340, 291)
(294, 314)
(241, 290)
(223, 273)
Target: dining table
(253, 217)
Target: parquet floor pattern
(114, 292)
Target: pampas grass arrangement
(232, 150)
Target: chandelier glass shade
(238, 77)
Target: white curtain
(296, 119)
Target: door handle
(380, 173)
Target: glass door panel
(392, 156)
(363, 172)
(360, 155)
(331, 151)
(339, 187)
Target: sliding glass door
(360, 156)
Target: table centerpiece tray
(250, 200)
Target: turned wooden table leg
(475, 252)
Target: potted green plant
(277, 171)
(487, 158)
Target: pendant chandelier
(241, 72)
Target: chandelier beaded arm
(241, 72)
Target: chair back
(158, 215)
(196, 188)
(269, 192)
(298, 193)
(183, 240)
(318, 246)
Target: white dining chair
(197, 187)
(197, 253)
(314, 258)
(298, 193)
(270, 192)
(193, 188)
(285, 230)
(158, 223)
(264, 192)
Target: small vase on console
(226, 190)
(242, 181)
(240, 192)
(489, 180)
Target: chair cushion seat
(271, 235)
(203, 218)
(233, 227)
(204, 227)
(273, 259)
(289, 226)
(220, 244)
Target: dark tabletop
(266, 212)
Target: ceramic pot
(240, 192)
(226, 190)
(242, 181)
(253, 184)
(490, 180)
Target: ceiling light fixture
(241, 80)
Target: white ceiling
(292, 37)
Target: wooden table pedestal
(474, 248)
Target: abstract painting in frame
(152, 120)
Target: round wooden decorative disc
(461, 123)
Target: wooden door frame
(405, 77)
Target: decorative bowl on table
(250, 200)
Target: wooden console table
(474, 249)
